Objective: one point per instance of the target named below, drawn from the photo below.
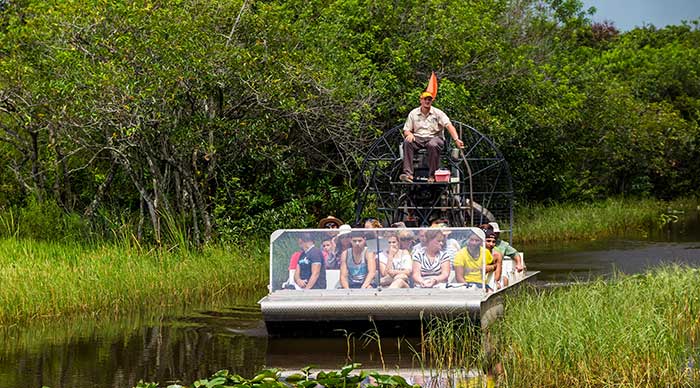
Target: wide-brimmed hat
(330, 222)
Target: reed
(599, 219)
(50, 280)
(451, 344)
(633, 331)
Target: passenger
(486, 227)
(499, 279)
(424, 128)
(329, 222)
(311, 268)
(357, 264)
(397, 269)
(371, 223)
(420, 243)
(293, 263)
(431, 265)
(508, 252)
(469, 262)
(375, 240)
(342, 241)
(294, 258)
(451, 244)
(328, 248)
(406, 239)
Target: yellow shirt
(472, 266)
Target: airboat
(476, 188)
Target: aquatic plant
(451, 343)
(638, 330)
(272, 378)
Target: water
(633, 252)
(120, 353)
(190, 345)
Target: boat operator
(424, 129)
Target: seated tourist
(419, 243)
(396, 269)
(451, 244)
(358, 265)
(293, 262)
(342, 241)
(431, 264)
(329, 222)
(371, 223)
(498, 278)
(311, 267)
(470, 260)
(508, 252)
(328, 249)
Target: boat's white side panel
(384, 304)
(407, 304)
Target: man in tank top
(358, 266)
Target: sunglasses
(406, 239)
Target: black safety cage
(479, 189)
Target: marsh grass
(451, 344)
(597, 220)
(633, 331)
(44, 280)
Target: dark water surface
(190, 345)
(632, 252)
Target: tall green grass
(450, 343)
(600, 219)
(634, 331)
(45, 280)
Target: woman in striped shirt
(431, 263)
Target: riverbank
(43, 280)
(611, 217)
(639, 330)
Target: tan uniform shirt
(426, 126)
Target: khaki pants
(433, 145)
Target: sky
(627, 14)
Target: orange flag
(432, 85)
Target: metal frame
(481, 187)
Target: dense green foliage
(228, 118)
(635, 331)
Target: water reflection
(632, 251)
(332, 353)
(588, 260)
(120, 353)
